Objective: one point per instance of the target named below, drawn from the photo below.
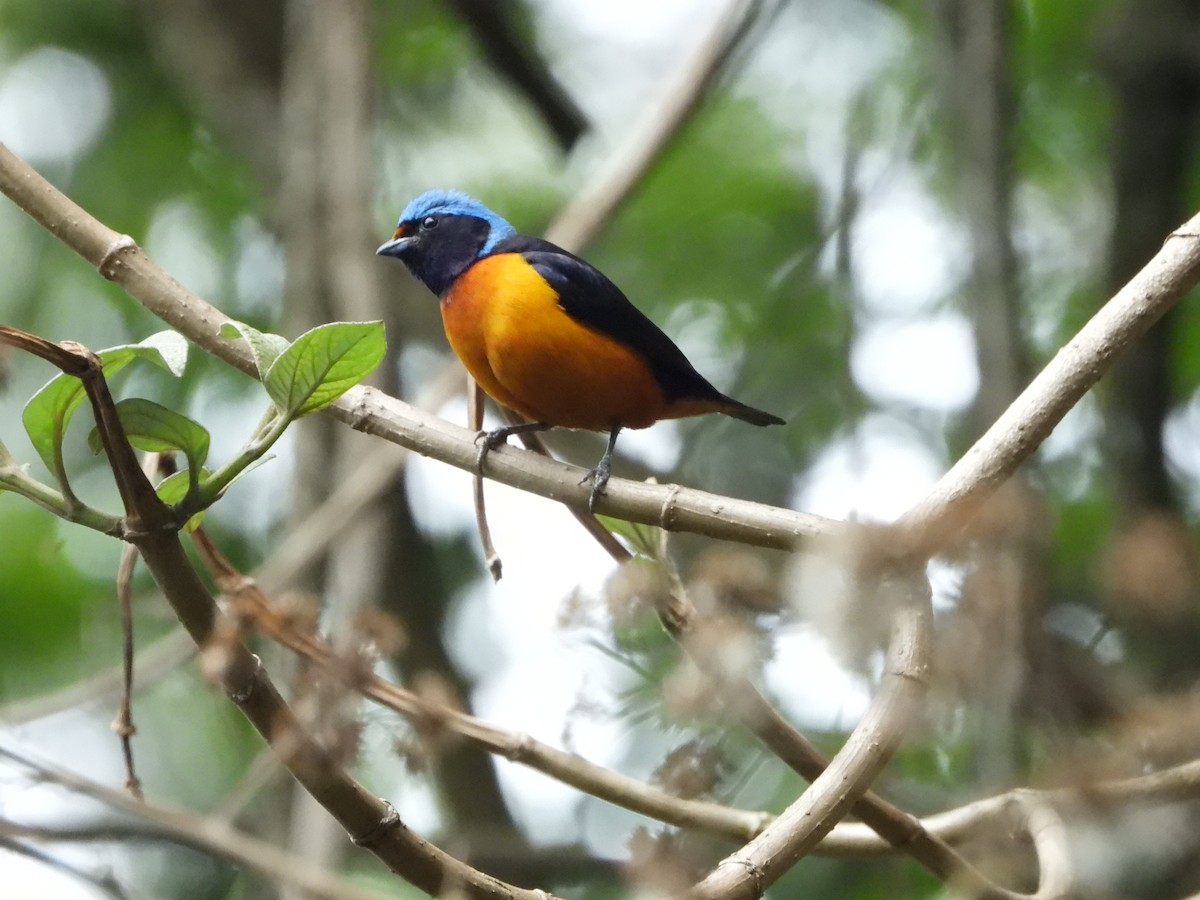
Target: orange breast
(504, 322)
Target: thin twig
(968, 823)
(326, 523)
(163, 656)
(475, 423)
(154, 465)
(205, 833)
(123, 723)
(534, 441)
(263, 770)
(107, 884)
(252, 604)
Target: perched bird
(545, 333)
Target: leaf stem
(13, 478)
(201, 495)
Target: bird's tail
(750, 414)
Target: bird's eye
(429, 222)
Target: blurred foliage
(49, 606)
(418, 43)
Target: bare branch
(1017, 434)
(662, 119)
(798, 829)
(107, 884)
(253, 605)
(205, 833)
(1049, 835)
(161, 657)
(123, 724)
(475, 423)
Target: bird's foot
(490, 440)
(599, 481)
(487, 441)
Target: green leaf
(265, 346)
(646, 540)
(153, 427)
(174, 488)
(166, 349)
(323, 364)
(49, 411)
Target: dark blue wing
(587, 296)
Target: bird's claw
(599, 479)
(487, 441)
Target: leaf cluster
(301, 377)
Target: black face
(438, 248)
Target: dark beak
(398, 244)
(395, 247)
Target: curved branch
(800, 828)
(1017, 434)
(662, 119)
(1049, 834)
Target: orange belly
(504, 322)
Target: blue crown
(443, 202)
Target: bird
(547, 334)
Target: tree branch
(1017, 434)
(799, 828)
(662, 119)
(152, 527)
(184, 827)
(955, 826)
(492, 24)
(252, 604)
